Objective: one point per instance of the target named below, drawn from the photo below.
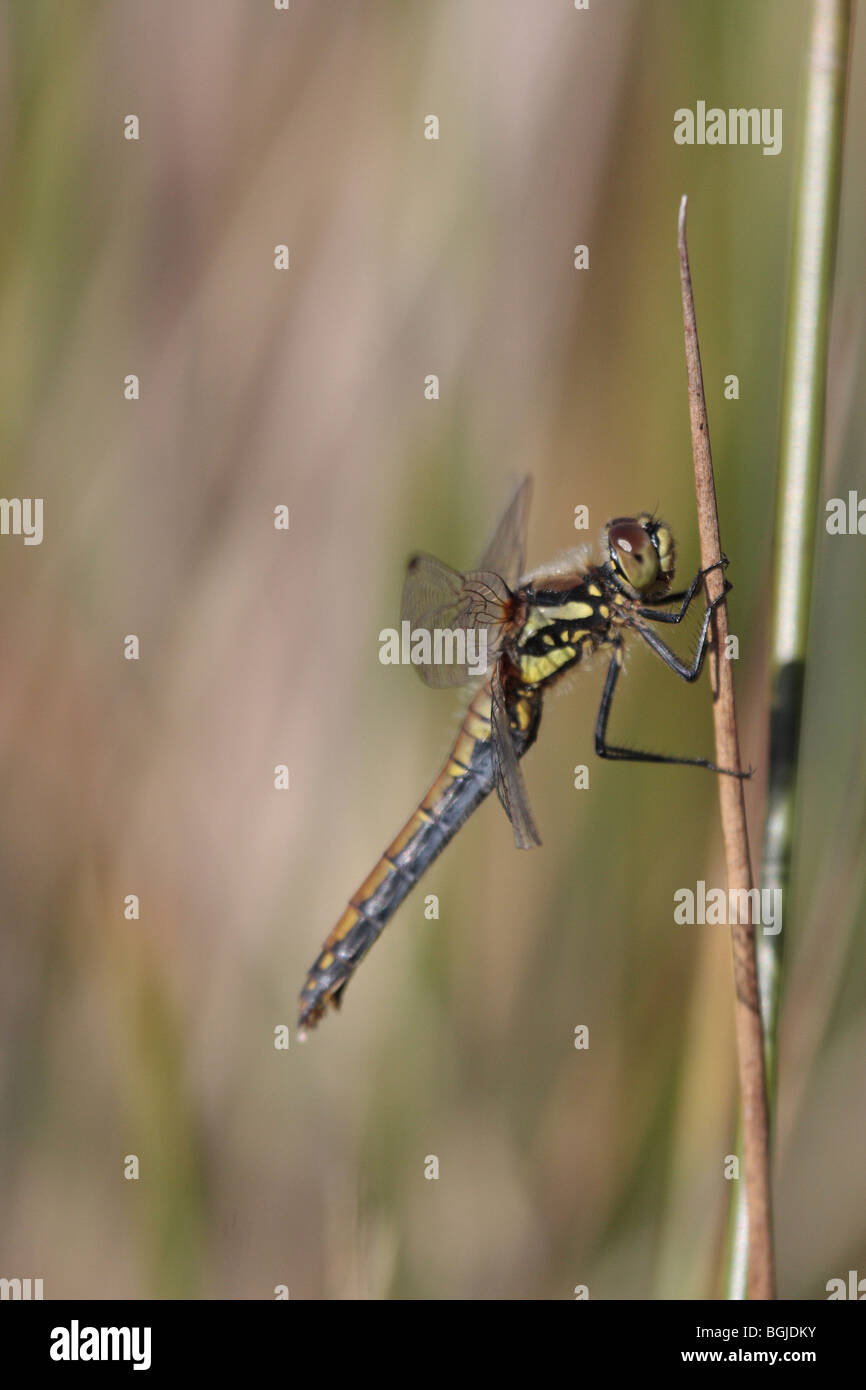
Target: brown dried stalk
(750, 1045)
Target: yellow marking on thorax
(565, 611)
(535, 621)
(534, 669)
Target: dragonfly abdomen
(464, 782)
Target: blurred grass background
(155, 1037)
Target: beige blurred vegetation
(155, 1037)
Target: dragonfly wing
(505, 553)
(457, 621)
(510, 786)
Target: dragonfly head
(642, 555)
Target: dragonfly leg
(687, 671)
(684, 597)
(636, 755)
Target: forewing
(464, 616)
(510, 786)
(506, 552)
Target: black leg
(686, 672)
(607, 750)
(684, 597)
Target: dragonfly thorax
(562, 624)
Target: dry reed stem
(750, 1043)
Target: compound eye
(633, 554)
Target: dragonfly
(537, 627)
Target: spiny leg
(608, 750)
(684, 597)
(686, 672)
